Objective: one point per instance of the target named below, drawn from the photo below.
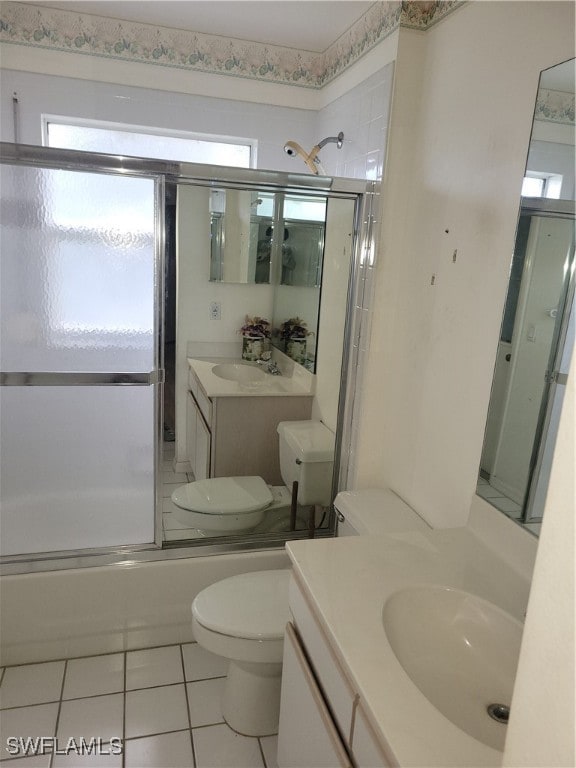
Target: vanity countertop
(334, 572)
(300, 383)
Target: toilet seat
(243, 617)
(252, 606)
(224, 495)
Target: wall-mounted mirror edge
(537, 333)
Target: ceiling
(310, 25)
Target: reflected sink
(460, 651)
(241, 372)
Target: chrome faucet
(271, 367)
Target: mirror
(537, 332)
(243, 244)
(239, 287)
(244, 249)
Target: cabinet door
(201, 467)
(367, 751)
(307, 735)
(198, 441)
(191, 429)
(336, 687)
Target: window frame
(81, 122)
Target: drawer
(335, 685)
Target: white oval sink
(459, 650)
(240, 372)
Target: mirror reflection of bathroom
(537, 335)
(253, 415)
(245, 248)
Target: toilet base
(251, 699)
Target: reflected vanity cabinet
(228, 436)
(322, 722)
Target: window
(137, 141)
(537, 184)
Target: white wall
(456, 156)
(41, 94)
(337, 261)
(362, 113)
(541, 731)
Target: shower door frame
(84, 162)
(163, 172)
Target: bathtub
(87, 611)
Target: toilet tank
(375, 511)
(307, 457)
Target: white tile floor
(504, 504)
(497, 499)
(164, 703)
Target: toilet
(243, 617)
(221, 505)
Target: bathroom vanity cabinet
(236, 435)
(322, 722)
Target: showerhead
(292, 148)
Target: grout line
(52, 756)
(160, 733)
(265, 764)
(221, 722)
(187, 705)
(204, 679)
(35, 704)
(124, 676)
(97, 655)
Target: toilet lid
(224, 495)
(253, 606)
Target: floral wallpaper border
(39, 27)
(554, 107)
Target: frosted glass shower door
(78, 356)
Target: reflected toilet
(222, 505)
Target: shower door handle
(71, 379)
